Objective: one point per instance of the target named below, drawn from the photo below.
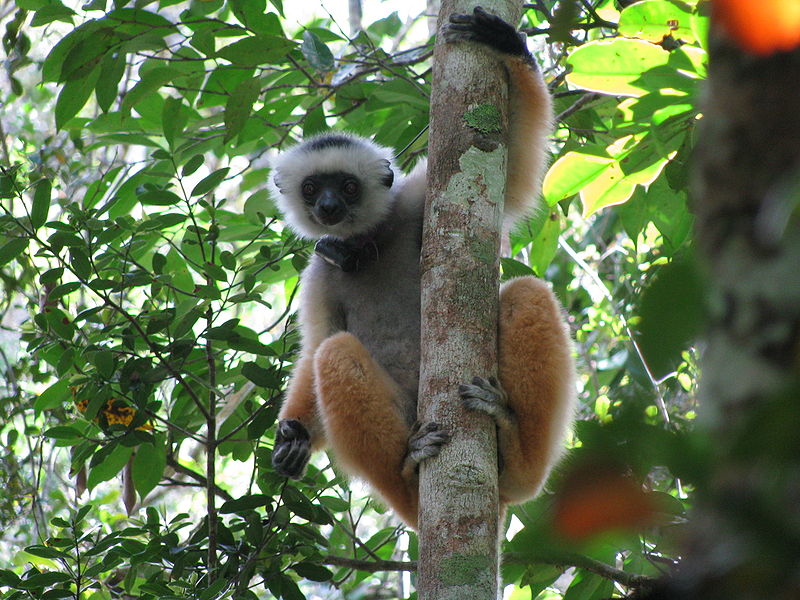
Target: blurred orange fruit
(762, 27)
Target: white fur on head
(331, 153)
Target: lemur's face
(331, 197)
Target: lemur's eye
(308, 189)
(350, 187)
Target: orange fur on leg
(358, 404)
(537, 373)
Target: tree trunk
(354, 16)
(459, 523)
(746, 533)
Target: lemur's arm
(530, 114)
(299, 430)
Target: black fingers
(292, 448)
(426, 441)
(486, 28)
(487, 396)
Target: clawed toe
(426, 441)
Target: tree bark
(746, 532)
(459, 524)
(354, 16)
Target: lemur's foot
(292, 448)
(425, 442)
(487, 396)
(486, 28)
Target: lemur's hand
(486, 28)
(292, 448)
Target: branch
(370, 566)
(200, 479)
(580, 561)
(577, 105)
(566, 561)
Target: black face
(331, 196)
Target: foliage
(149, 287)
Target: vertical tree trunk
(458, 490)
(746, 534)
(354, 16)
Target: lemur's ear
(388, 179)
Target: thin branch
(578, 561)
(198, 477)
(577, 105)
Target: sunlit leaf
(615, 66)
(652, 20)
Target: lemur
(354, 386)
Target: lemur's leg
(534, 406)
(359, 408)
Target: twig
(577, 105)
(199, 478)
(566, 561)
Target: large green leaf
(316, 52)
(107, 463)
(54, 396)
(239, 106)
(652, 20)
(615, 66)
(672, 312)
(11, 249)
(41, 203)
(257, 50)
(148, 465)
(150, 83)
(73, 97)
(570, 173)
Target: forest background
(149, 293)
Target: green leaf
(257, 50)
(614, 187)
(109, 464)
(215, 272)
(672, 313)
(59, 322)
(64, 290)
(11, 249)
(239, 106)
(54, 63)
(570, 173)
(80, 262)
(259, 375)
(43, 552)
(289, 589)
(73, 97)
(245, 503)
(545, 245)
(299, 504)
(41, 203)
(62, 432)
(173, 119)
(192, 165)
(652, 20)
(210, 182)
(52, 397)
(150, 83)
(317, 52)
(87, 54)
(615, 67)
(312, 571)
(159, 198)
(148, 465)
